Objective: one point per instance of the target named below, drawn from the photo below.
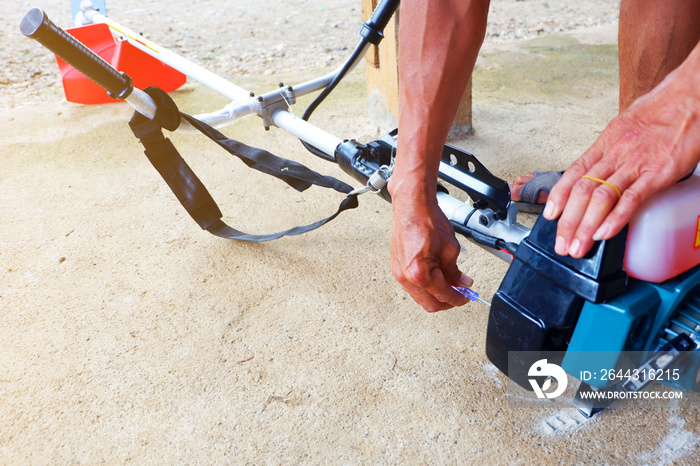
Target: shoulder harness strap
(190, 191)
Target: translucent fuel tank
(664, 235)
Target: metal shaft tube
(307, 132)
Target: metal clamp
(269, 103)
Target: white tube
(196, 72)
(453, 208)
(307, 132)
(229, 114)
(242, 104)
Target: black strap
(190, 191)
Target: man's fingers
(557, 200)
(586, 190)
(436, 293)
(427, 275)
(426, 300)
(601, 213)
(602, 201)
(632, 198)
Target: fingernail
(574, 248)
(602, 232)
(560, 246)
(548, 210)
(465, 280)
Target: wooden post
(383, 80)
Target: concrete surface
(129, 335)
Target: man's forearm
(438, 46)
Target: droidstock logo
(551, 371)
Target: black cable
(510, 248)
(466, 222)
(322, 96)
(371, 33)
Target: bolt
(480, 204)
(483, 220)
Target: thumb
(457, 278)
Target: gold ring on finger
(607, 183)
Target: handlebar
(37, 25)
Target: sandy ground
(131, 335)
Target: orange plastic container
(143, 69)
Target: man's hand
(424, 252)
(648, 147)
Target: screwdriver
(470, 294)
